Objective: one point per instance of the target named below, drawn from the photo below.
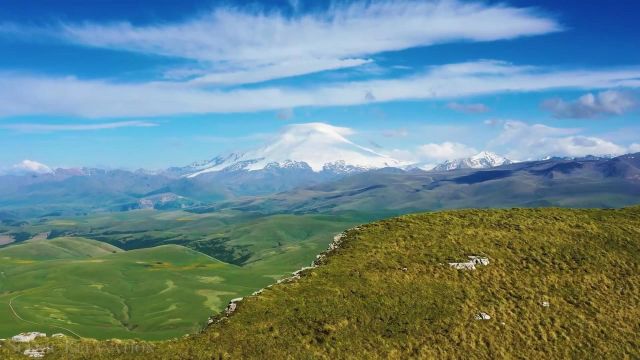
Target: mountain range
(482, 160)
(318, 147)
(303, 159)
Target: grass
(83, 287)
(233, 237)
(60, 248)
(101, 291)
(388, 292)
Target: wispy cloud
(31, 127)
(24, 95)
(589, 106)
(468, 108)
(534, 141)
(395, 133)
(241, 45)
(285, 114)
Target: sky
(158, 83)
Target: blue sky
(159, 83)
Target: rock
(36, 353)
(482, 316)
(231, 308)
(474, 261)
(58, 335)
(546, 304)
(257, 292)
(463, 266)
(27, 337)
(479, 260)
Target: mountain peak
(481, 160)
(30, 167)
(321, 146)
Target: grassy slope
(154, 293)
(237, 238)
(361, 303)
(60, 248)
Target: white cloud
(233, 35)
(285, 68)
(427, 156)
(242, 45)
(634, 148)
(25, 95)
(590, 106)
(444, 151)
(523, 141)
(30, 127)
(468, 108)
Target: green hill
(59, 248)
(388, 292)
(90, 289)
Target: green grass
(233, 237)
(92, 289)
(59, 248)
(101, 291)
(362, 303)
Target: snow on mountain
(482, 160)
(30, 167)
(319, 146)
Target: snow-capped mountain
(318, 146)
(29, 167)
(482, 160)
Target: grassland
(238, 238)
(86, 288)
(388, 292)
(163, 284)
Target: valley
(84, 288)
(165, 273)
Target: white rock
(479, 260)
(463, 266)
(28, 337)
(36, 353)
(231, 308)
(483, 316)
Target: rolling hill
(87, 288)
(560, 283)
(58, 249)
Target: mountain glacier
(319, 146)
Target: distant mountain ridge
(603, 183)
(482, 160)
